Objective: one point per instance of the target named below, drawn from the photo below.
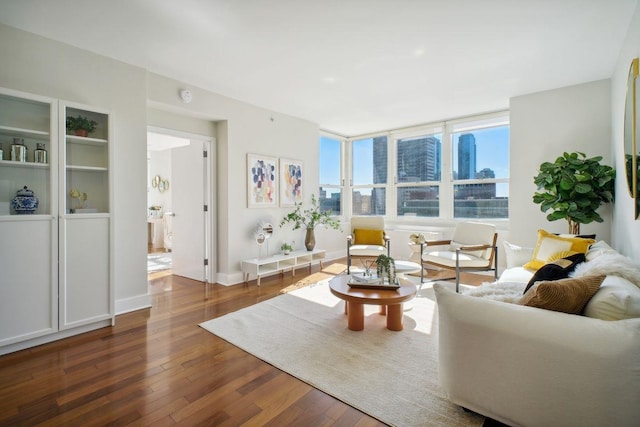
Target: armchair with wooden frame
(367, 239)
(472, 248)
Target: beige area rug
(327, 273)
(392, 376)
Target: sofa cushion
(515, 255)
(549, 244)
(363, 236)
(616, 299)
(565, 295)
(556, 270)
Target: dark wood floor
(157, 367)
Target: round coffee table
(390, 301)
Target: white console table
(272, 264)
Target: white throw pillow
(516, 256)
(616, 299)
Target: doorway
(178, 198)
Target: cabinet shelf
(19, 132)
(82, 140)
(22, 218)
(15, 164)
(86, 168)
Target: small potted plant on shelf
(286, 248)
(81, 126)
(309, 219)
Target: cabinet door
(86, 290)
(85, 274)
(28, 280)
(28, 237)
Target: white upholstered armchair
(472, 248)
(367, 239)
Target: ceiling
(352, 66)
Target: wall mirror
(267, 229)
(631, 127)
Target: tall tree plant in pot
(573, 188)
(309, 219)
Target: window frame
(371, 186)
(341, 184)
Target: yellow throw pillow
(368, 237)
(549, 245)
(561, 255)
(565, 295)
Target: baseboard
(127, 305)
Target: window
(418, 172)
(451, 170)
(330, 174)
(369, 176)
(480, 169)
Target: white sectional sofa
(527, 366)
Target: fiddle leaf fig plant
(573, 188)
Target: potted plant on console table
(309, 219)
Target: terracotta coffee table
(390, 301)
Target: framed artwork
(290, 182)
(262, 180)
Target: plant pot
(310, 239)
(81, 132)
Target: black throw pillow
(556, 270)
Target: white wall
(31, 63)
(242, 129)
(543, 126)
(626, 229)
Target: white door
(188, 200)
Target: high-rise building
(419, 159)
(466, 156)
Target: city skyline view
(492, 152)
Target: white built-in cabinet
(55, 264)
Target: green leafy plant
(386, 267)
(574, 187)
(285, 247)
(310, 218)
(81, 123)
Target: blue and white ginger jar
(24, 202)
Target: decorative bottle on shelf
(40, 155)
(18, 150)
